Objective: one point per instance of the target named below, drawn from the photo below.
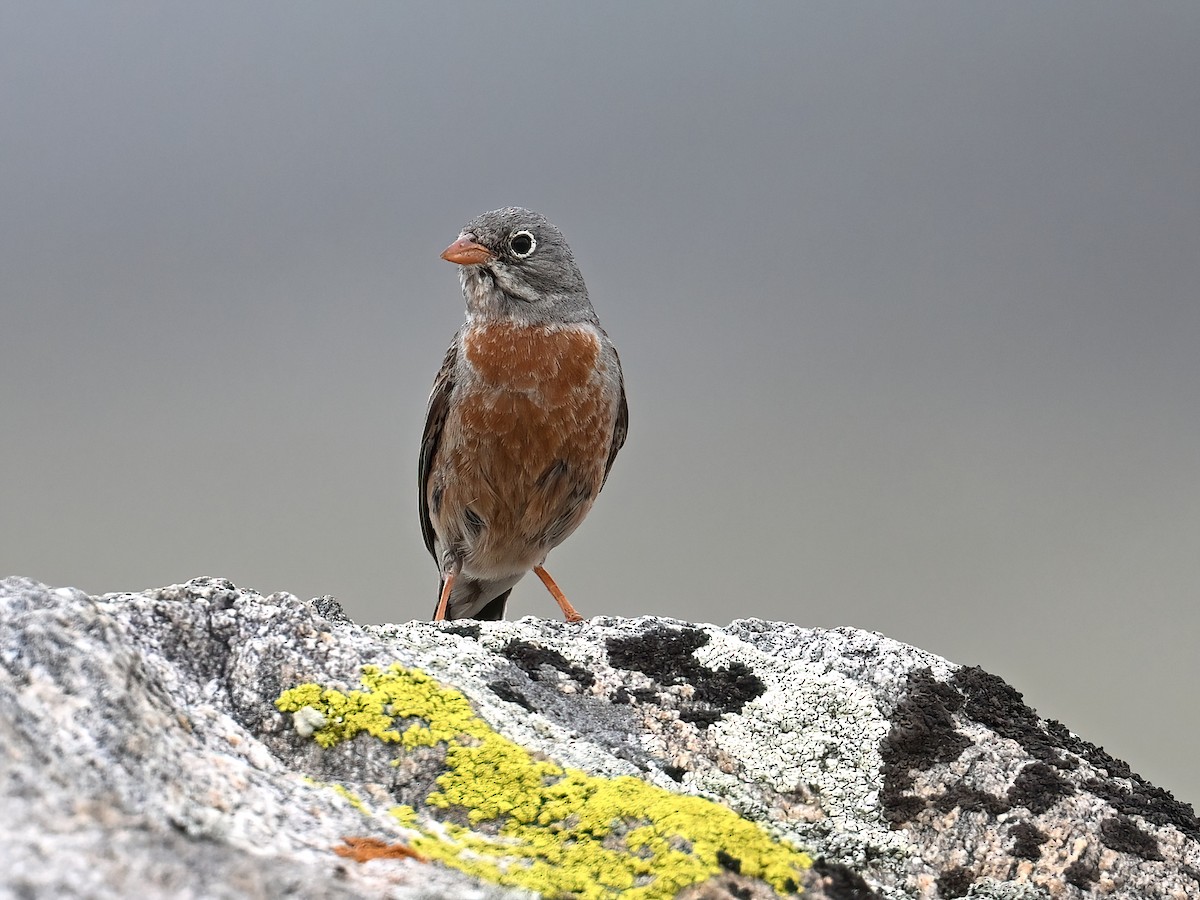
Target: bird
(525, 418)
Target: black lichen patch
(1097, 756)
(900, 807)
(1082, 874)
(509, 694)
(732, 863)
(922, 731)
(1027, 841)
(969, 799)
(699, 716)
(993, 702)
(1038, 787)
(1155, 805)
(465, 629)
(955, 882)
(1121, 833)
(530, 658)
(921, 735)
(842, 883)
(666, 655)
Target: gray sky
(906, 296)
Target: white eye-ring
(522, 244)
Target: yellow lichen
(543, 827)
(352, 798)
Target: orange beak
(467, 253)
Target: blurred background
(906, 295)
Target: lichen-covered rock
(205, 741)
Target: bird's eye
(522, 244)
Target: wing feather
(620, 428)
(435, 421)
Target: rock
(206, 741)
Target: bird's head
(515, 265)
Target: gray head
(514, 264)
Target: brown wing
(435, 419)
(620, 429)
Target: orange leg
(560, 598)
(444, 600)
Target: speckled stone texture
(142, 754)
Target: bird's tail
(475, 599)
